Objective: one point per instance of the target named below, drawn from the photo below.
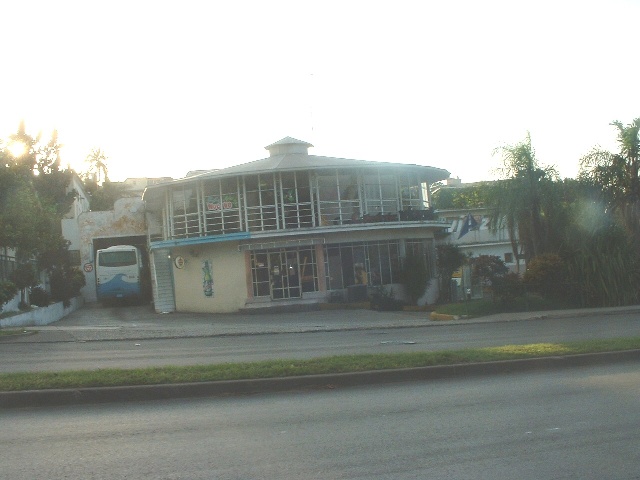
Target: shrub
(8, 290)
(508, 288)
(415, 276)
(546, 275)
(66, 284)
(39, 297)
(382, 300)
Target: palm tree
(518, 199)
(97, 165)
(617, 175)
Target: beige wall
(229, 284)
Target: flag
(469, 224)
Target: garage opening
(139, 241)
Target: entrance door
(285, 274)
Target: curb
(96, 395)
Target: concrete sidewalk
(96, 323)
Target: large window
(260, 202)
(185, 215)
(380, 194)
(295, 192)
(362, 263)
(222, 206)
(284, 272)
(412, 193)
(338, 197)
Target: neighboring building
(469, 230)
(290, 228)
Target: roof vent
(288, 145)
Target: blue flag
(469, 224)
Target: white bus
(118, 273)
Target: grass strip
(286, 368)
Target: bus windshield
(117, 259)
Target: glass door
(285, 274)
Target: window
(221, 206)
(508, 257)
(260, 203)
(368, 263)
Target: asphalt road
(578, 423)
(34, 355)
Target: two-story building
(289, 228)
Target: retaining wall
(42, 315)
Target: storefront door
(285, 274)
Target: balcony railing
(295, 217)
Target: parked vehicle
(119, 273)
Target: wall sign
(179, 261)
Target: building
(289, 228)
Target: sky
(165, 87)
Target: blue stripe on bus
(118, 287)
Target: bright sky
(164, 87)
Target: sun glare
(17, 149)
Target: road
(130, 353)
(576, 423)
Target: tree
(617, 176)
(471, 196)
(33, 197)
(488, 268)
(97, 166)
(415, 275)
(518, 200)
(449, 258)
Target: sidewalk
(96, 323)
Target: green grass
(286, 368)
(11, 331)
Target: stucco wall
(126, 219)
(229, 291)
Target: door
(285, 274)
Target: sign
(88, 267)
(179, 261)
(214, 203)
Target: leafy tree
(449, 258)
(617, 176)
(102, 197)
(8, 290)
(471, 196)
(52, 181)
(489, 268)
(33, 199)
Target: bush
(546, 275)
(39, 297)
(8, 290)
(382, 300)
(66, 284)
(508, 288)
